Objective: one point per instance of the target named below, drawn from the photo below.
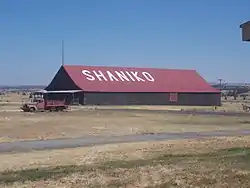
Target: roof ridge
(105, 66)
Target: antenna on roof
(62, 52)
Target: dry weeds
(227, 106)
(218, 162)
(26, 126)
(10, 98)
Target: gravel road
(25, 146)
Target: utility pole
(220, 81)
(62, 52)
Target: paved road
(25, 146)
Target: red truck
(44, 105)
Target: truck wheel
(32, 109)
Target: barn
(100, 85)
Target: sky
(197, 34)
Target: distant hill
(22, 87)
(38, 87)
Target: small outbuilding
(99, 85)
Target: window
(173, 97)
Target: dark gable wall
(199, 99)
(62, 81)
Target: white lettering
(111, 76)
(100, 75)
(118, 76)
(122, 75)
(148, 76)
(89, 76)
(137, 77)
(131, 77)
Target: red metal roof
(128, 79)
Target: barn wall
(68, 97)
(203, 99)
(200, 99)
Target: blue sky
(195, 34)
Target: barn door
(173, 97)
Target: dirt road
(25, 146)
(187, 112)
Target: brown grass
(85, 121)
(217, 162)
(13, 98)
(25, 126)
(227, 106)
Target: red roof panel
(128, 79)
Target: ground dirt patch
(217, 162)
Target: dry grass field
(26, 126)
(83, 121)
(12, 101)
(212, 163)
(13, 98)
